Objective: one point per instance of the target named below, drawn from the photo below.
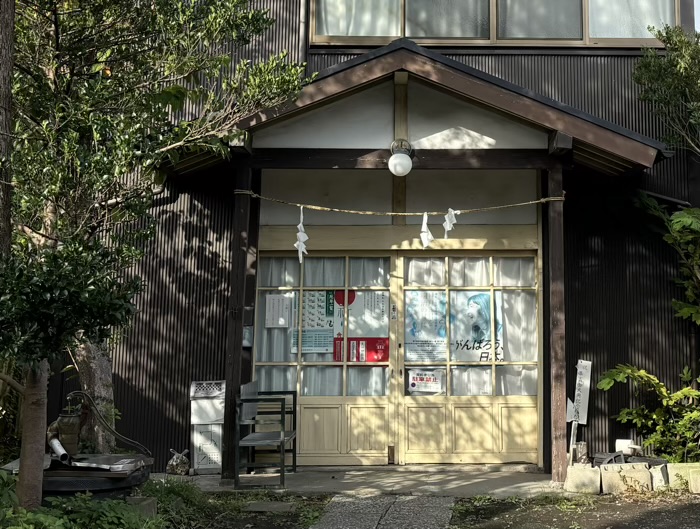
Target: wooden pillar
(235, 317)
(557, 347)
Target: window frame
(586, 41)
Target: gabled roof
(596, 142)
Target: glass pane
(368, 326)
(324, 272)
(514, 272)
(277, 329)
(279, 272)
(519, 326)
(322, 381)
(447, 18)
(540, 19)
(470, 272)
(471, 327)
(322, 325)
(516, 380)
(276, 378)
(358, 18)
(425, 272)
(426, 381)
(369, 272)
(425, 336)
(629, 19)
(368, 381)
(471, 381)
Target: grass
(183, 506)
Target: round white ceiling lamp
(400, 163)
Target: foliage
(83, 512)
(668, 421)
(670, 83)
(181, 503)
(682, 232)
(50, 298)
(183, 506)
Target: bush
(83, 512)
(669, 422)
(181, 503)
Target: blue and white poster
(474, 334)
(425, 336)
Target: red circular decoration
(340, 297)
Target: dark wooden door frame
(242, 285)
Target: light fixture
(400, 163)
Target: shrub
(669, 422)
(181, 503)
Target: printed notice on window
(426, 381)
(277, 311)
(425, 337)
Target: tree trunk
(95, 371)
(7, 35)
(31, 474)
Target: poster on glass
(474, 336)
(425, 335)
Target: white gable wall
(439, 121)
(365, 120)
(361, 121)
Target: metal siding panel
(619, 288)
(179, 333)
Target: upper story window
(508, 22)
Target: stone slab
(145, 505)
(269, 506)
(625, 479)
(659, 477)
(679, 474)
(583, 480)
(354, 512)
(694, 481)
(418, 512)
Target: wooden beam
(398, 194)
(557, 346)
(423, 159)
(235, 316)
(560, 143)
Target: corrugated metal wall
(180, 332)
(619, 288)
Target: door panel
(473, 429)
(426, 428)
(367, 428)
(320, 429)
(518, 428)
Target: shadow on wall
(179, 332)
(619, 288)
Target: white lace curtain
(540, 19)
(629, 18)
(280, 344)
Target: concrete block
(582, 479)
(269, 506)
(679, 474)
(619, 478)
(146, 506)
(694, 481)
(659, 477)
